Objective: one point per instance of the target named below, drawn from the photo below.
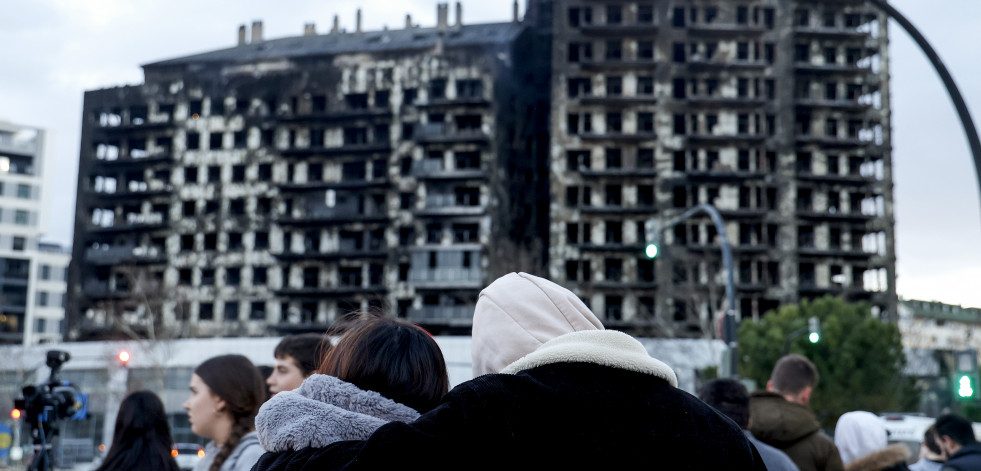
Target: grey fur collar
(322, 411)
(881, 459)
(602, 347)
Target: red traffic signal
(15, 414)
(123, 357)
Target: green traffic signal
(965, 386)
(651, 250)
(814, 337)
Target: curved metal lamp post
(729, 322)
(955, 94)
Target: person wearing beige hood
(552, 390)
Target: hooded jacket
(863, 443)
(324, 410)
(793, 429)
(585, 398)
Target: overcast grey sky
(53, 50)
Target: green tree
(860, 358)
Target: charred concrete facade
(274, 186)
(776, 112)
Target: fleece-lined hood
(518, 313)
(599, 347)
(779, 422)
(324, 410)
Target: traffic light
(651, 238)
(814, 329)
(15, 414)
(123, 358)
(965, 375)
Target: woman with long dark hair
(141, 439)
(226, 392)
(381, 370)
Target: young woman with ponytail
(226, 392)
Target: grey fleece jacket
(243, 457)
(322, 411)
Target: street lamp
(653, 234)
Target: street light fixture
(653, 234)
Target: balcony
(135, 222)
(617, 101)
(832, 68)
(334, 215)
(446, 278)
(331, 291)
(849, 179)
(707, 138)
(374, 115)
(27, 147)
(846, 105)
(340, 254)
(725, 30)
(434, 170)
(621, 136)
(646, 65)
(836, 215)
(618, 30)
(835, 141)
(461, 101)
(830, 33)
(135, 192)
(448, 205)
(452, 315)
(96, 289)
(850, 253)
(125, 255)
(618, 209)
(365, 148)
(727, 102)
(715, 65)
(719, 175)
(618, 172)
(444, 133)
(129, 161)
(334, 185)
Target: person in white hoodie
(553, 390)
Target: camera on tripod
(46, 403)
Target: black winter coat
(968, 458)
(559, 416)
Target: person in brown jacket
(780, 416)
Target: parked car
(187, 454)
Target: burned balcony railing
(442, 132)
(125, 254)
(455, 315)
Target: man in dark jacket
(562, 393)
(956, 437)
(780, 416)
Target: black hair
(729, 397)
(308, 350)
(141, 439)
(956, 427)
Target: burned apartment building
(273, 186)
(774, 111)
(276, 185)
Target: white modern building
(32, 272)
